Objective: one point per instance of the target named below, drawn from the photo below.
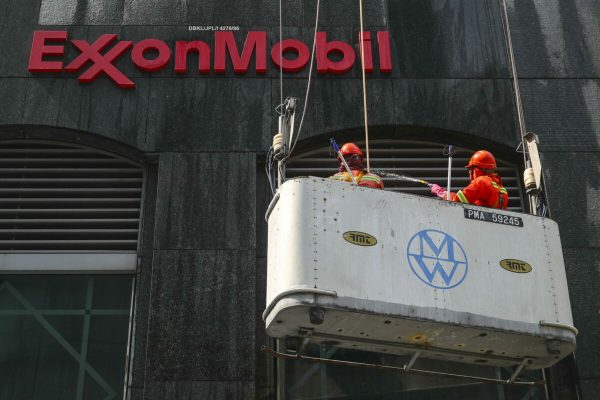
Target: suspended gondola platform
(402, 274)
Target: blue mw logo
(437, 259)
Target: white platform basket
(399, 273)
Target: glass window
(63, 336)
(68, 209)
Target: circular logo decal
(437, 259)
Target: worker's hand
(438, 191)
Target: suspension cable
(310, 69)
(515, 80)
(364, 82)
(537, 202)
(280, 54)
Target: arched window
(69, 227)
(418, 159)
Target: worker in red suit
(354, 158)
(485, 188)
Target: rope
(515, 80)
(364, 82)
(310, 69)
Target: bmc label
(497, 218)
(437, 259)
(360, 238)
(517, 266)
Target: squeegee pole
(448, 185)
(341, 157)
(402, 177)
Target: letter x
(102, 63)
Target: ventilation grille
(60, 198)
(415, 159)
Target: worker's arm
(441, 192)
(469, 194)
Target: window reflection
(63, 337)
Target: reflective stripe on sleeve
(501, 189)
(370, 178)
(461, 196)
(341, 177)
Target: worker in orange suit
(485, 188)
(354, 158)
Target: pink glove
(438, 191)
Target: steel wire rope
(537, 202)
(364, 82)
(270, 159)
(280, 54)
(310, 69)
(515, 80)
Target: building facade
(133, 137)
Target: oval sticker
(517, 266)
(360, 238)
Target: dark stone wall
(201, 285)
(450, 73)
(557, 49)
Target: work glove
(438, 191)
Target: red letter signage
(183, 48)
(289, 55)
(286, 46)
(164, 54)
(254, 40)
(39, 49)
(385, 55)
(368, 66)
(101, 63)
(324, 49)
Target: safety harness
(501, 191)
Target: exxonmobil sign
(98, 58)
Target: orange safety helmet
(482, 159)
(349, 149)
